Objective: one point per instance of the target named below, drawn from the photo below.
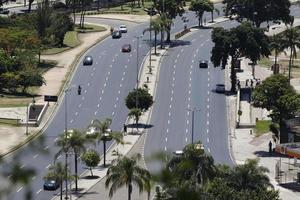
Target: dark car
(88, 60)
(220, 88)
(116, 34)
(51, 184)
(203, 64)
(126, 48)
(4, 11)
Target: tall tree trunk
(129, 191)
(212, 16)
(76, 178)
(91, 170)
(155, 41)
(61, 188)
(199, 19)
(233, 75)
(139, 3)
(74, 12)
(168, 34)
(283, 134)
(161, 38)
(290, 63)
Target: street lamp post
(105, 137)
(137, 70)
(193, 119)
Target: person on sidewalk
(270, 147)
(247, 82)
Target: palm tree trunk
(76, 178)
(168, 34)
(161, 38)
(290, 64)
(129, 191)
(212, 16)
(199, 19)
(74, 12)
(104, 153)
(61, 188)
(155, 41)
(233, 75)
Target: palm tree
(105, 134)
(136, 114)
(276, 45)
(156, 27)
(125, 172)
(76, 142)
(73, 140)
(164, 23)
(57, 171)
(291, 39)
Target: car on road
(4, 11)
(126, 48)
(123, 28)
(116, 34)
(178, 153)
(220, 88)
(51, 184)
(92, 131)
(88, 60)
(203, 64)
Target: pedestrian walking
(270, 147)
(251, 83)
(238, 84)
(247, 82)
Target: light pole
(68, 88)
(193, 118)
(137, 70)
(105, 137)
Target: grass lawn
(89, 28)
(261, 127)
(126, 9)
(9, 122)
(71, 39)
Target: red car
(126, 48)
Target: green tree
(30, 77)
(144, 102)
(199, 7)
(170, 9)
(258, 11)
(135, 113)
(276, 45)
(276, 95)
(242, 41)
(57, 172)
(125, 171)
(91, 159)
(291, 40)
(156, 27)
(105, 134)
(61, 24)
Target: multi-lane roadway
(182, 86)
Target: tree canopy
(241, 41)
(258, 11)
(144, 102)
(199, 7)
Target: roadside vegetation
(261, 127)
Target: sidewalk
(244, 144)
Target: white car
(92, 131)
(123, 28)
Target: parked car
(116, 34)
(126, 48)
(4, 11)
(88, 60)
(123, 28)
(203, 64)
(51, 184)
(220, 88)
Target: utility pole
(193, 119)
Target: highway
(106, 83)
